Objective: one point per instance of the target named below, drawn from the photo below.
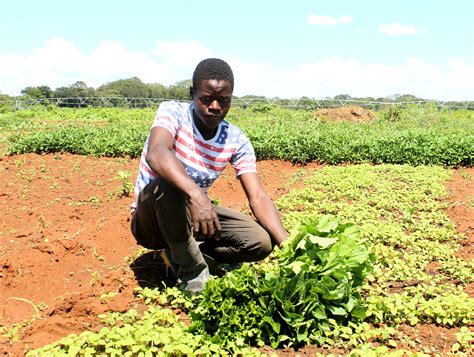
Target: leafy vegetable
(290, 301)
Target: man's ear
(191, 92)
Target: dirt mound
(347, 113)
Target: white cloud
(335, 75)
(183, 52)
(323, 20)
(397, 29)
(60, 63)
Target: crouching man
(188, 146)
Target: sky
(276, 48)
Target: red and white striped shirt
(203, 159)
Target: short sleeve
(244, 160)
(168, 116)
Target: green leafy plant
(465, 341)
(157, 332)
(292, 300)
(411, 135)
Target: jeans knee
(267, 247)
(261, 247)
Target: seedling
(96, 278)
(126, 187)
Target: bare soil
(65, 243)
(346, 113)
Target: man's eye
(223, 101)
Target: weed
(465, 175)
(19, 162)
(94, 200)
(12, 332)
(126, 186)
(95, 278)
(105, 297)
(41, 223)
(54, 186)
(76, 166)
(138, 253)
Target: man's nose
(214, 105)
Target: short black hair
(212, 68)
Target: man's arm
(163, 162)
(262, 207)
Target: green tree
(407, 98)
(75, 95)
(180, 90)
(78, 89)
(38, 92)
(342, 97)
(5, 103)
(126, 88)
(158, 91)
(5, 97)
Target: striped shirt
(203, 160)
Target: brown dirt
(65, 242)
(347, 113)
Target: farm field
(70, 264)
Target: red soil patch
(461, 212)
(347, 113)
(65, 240)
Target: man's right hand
(206, 224)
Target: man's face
(212, 101)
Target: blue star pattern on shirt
(223, 135)
(203, 180)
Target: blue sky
(285, 49)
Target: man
(187, 148)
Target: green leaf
(337, 310)
(323, 242)
(302, 334)
(319, 313)
(280, 339)
(301, 245)
(74, 350)
(349, 305)
(275, 325)
(297, 266)
(327, 223)
(352, 232)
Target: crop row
(415, 135)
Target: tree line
(122, 88)
(134, 87)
